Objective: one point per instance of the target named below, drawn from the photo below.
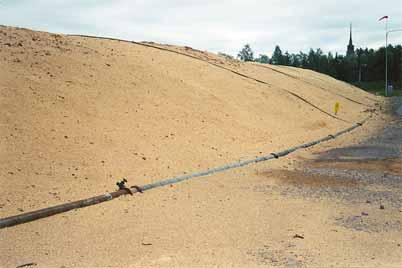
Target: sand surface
(78, 114)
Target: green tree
(262, 59)
(286, 59)
(365, 64)
(246, 54)
(295, 60)
(331, 65)
(277, 57)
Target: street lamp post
(386, 57)
(386, 54)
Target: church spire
(350, 39)
(351, 48)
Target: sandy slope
(78, 113)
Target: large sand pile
(79, 113)
(112, 109)
(86, 111)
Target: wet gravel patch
(352, 186)
(366, 152)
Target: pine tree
(277, 57)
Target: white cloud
(215, 25)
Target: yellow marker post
(336, 108)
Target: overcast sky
(216, 25)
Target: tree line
(364, 65)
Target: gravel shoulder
(360, 184)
